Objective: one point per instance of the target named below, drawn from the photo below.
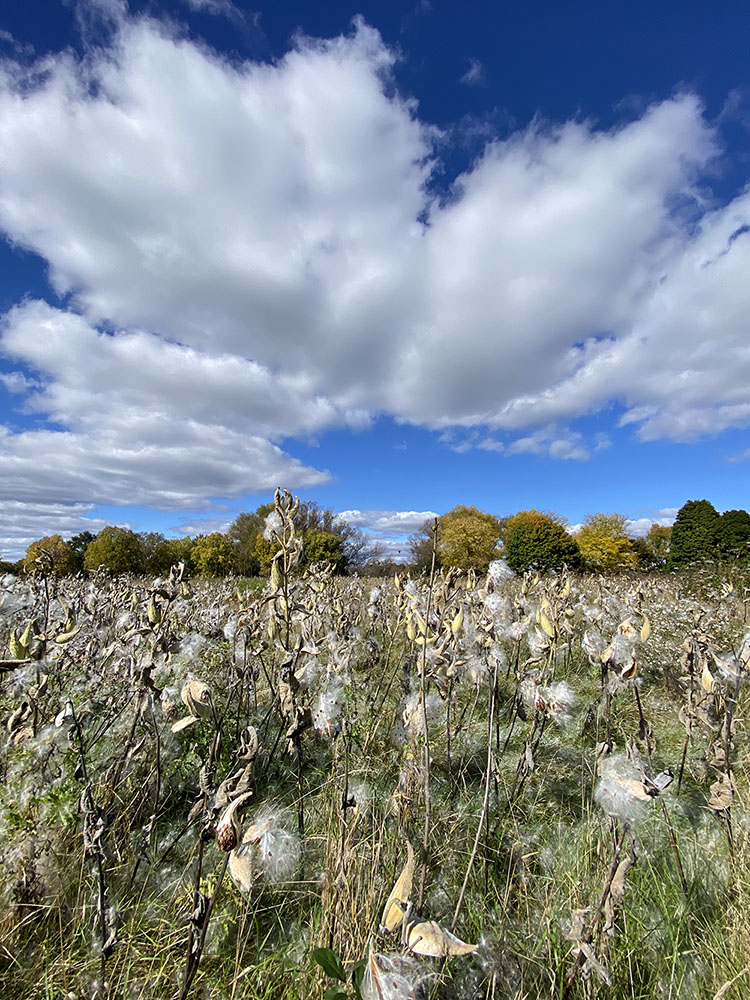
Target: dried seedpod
(426, 937)
(398, 900)
(250, 744)
(197, 697)
(183, 723)
(228, 829)
(722, 793)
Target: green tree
(151, 542)
(50, 555)
(350, 552)
(695, 534)
(79, 543)
(733, 535)
(170, 551)
(212, 554)
(322, 546)
(604, 543)
(355, 546)
(117, 549)
(468, 538)
(534, 540)
(243, 533)
(653, 549)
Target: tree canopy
(468, 538)
(50, 555)
(212, 555)
(733, 535)
(119, 550)
(695, 534)
(534, 540)
(604, 543)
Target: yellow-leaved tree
(604, 544)
(468, 538)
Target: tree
(170, 551)
(604, 543)
(243, 533)
(534, 540)
(468, 538)
(117, 549)
(355, 546)
(50, 555)
(151, 542)
(734, 535)
(322, 546)
(350, 552)
(212, 554)
(653, 549)
(79, 543)
(695, 534)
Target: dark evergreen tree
(734, 535)
(695, 534)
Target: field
(551, 774)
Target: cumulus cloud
(250, 253)
(389, 528)
(639, 527)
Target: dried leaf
(645, 629)
(197, 698)
(592, 963)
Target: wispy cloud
(474, 75)
(222, 8)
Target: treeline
(469, 538)
(243, 550)
(465, 537)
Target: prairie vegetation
(452, 786)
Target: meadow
(452, 786)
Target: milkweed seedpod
(395, 907)
(197, 698)
(228, 830)
(429, 939)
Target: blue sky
(394, 257)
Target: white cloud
(390, 528)
(222, 8)
(474, 75)
(639, 527)
(25, 522)
(252, 252)
(550, 442)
